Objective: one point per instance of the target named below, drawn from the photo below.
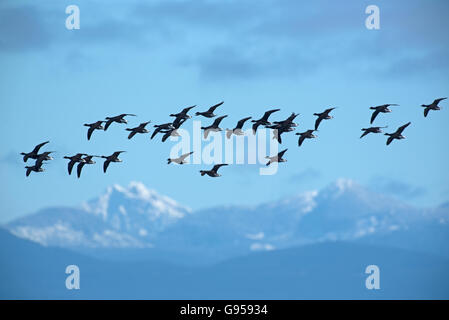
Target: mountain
(319, 271)
(138, 223)
(121, 217)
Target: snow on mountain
(136, 217)
(121, 217)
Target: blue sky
(155, 58)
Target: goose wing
(268, 113)
(426, 112)
(217, 166)
(212, 109)
(218, 120)
(401, 128)
(389, 140)
(374, 115)
(89, 132)
(281, 154)
(108, 123)
(132, 134)
(364, 134)
(317, 122)
(79, 168)
(106, 165)
(70, 166)
(185, 155)
(301, 139)
(436, 101)
(36, 148)
(28, 171)
(241, 122)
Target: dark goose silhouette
(33, 154)
(183, 114)
(93, 126)
(276, 158)
(264, 120)
(74, 159)
(139, 129)
(173, 131)
(432, 106)
(213, 172)
(34, 168)
(45, 156)
(112, 158)
(162, 128)
(209, 113)
(119, 119)
(397, 134)
(381, 109)
(214, 127)
(179, 160)
(238, 128)
(322, 116)
(371, 130)
(305, 135)
(86, 160)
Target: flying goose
(162, 128)
(173, 131)
(209, 113)
(276, 158)
(213, 172)
(238, 129)
(74, 159)
(322, 116)
(214, 127)
(179, 160)
(112, 158)
(183, 114)
(397, 134)
(119, 119)
(371, 130)
(432, 106)
(383, 108)
(287, 122)
(263, 120)
(86, 160)
(33, 154)
(139, 129)
(305, 135)
(93, 126)
(34, 168)
(45, 156)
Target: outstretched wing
(218, 120)
(268, 113)
(436, 101)
(327, 111)
(89, 132)
(364, 134)
(185, 110)
(132, 134)
(117, 153)
(79, 168)
(277, 135)
(178, 122)
(212, 109)
(108, 123)
(36, 148)
(70, 166)
(106, 165)
(255, 126)
(317, 122)
(301, 139)
(374, 115)
(28, 172)
(389, 140)
(241, 122)
(217, 166)
(185, 156)
(281, 154)
(166, 135)
(426, 112)
(401, 128)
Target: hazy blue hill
(328, 270)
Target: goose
(371, 130)
(119, 119)
(112, 158)
(305, 135)
(179, 160)
(33, 154)
(279, 130)
(397, 134)
(214, 127)
(173, 131)
(263, 120)
(322, 116)
(34, 168)
(45, 156)
(86, 160)
(213, 172)
(287, 122)
(238, 128)
(162, 128)
(209, 113)
(383, 108)
(74, 159)
(183, 114)
(432, 106)
(139, 129)
(93, 126)
(276, 158)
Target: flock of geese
(170, 129)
